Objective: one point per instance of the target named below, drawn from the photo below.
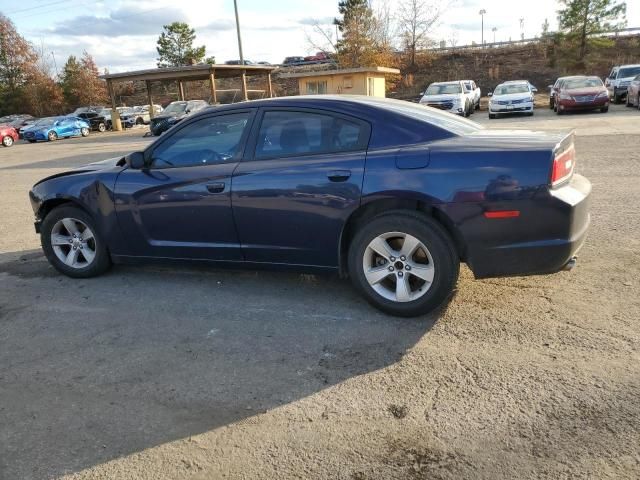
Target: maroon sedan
(8, 135)
(581, 93)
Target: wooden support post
(245, 97)
(212, 85)
(180, 90)
(115, 116)
(152, 112)
(269, 87)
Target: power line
(42, 5)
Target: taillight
(563, 165)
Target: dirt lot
(152, 372)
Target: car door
(293, 195)
(179, 205)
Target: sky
(121, 34)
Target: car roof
(451, 82)
(628, 65)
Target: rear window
(446, 121)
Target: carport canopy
(186, 74)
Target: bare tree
(416, 18)
(453, 39)
(321, 37)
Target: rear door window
(294, 133)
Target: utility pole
(235, 6)
(494, 30)
(55, 65)
(482, 13)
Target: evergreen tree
(581, 20)
(175, 46)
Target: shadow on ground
(91, 370)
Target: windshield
(46, 121)
(105, 112)
(582, 83)
(175, 107)
(125, 111)
(629, 72)
(513, 88)
(443, 88)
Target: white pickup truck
(473, 92)
(619, 79)
(449, 96)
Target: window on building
(314, 88)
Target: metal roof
(195, 72)
(346, 71)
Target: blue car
(392, 194)
(53, 128)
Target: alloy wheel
(73, 243)
(84, 131)
(7, 141)
(398, 266)
(52, 136)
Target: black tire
(530, 114)
(467, 109)
(478, 105)
(102, 260)
(102, 127)
(551, 104)
(492, 116)
(616, 99)
(559, 112)
(7, 141)
(627, 103)
(139, 121)
(432, 235)
(31, 141)
(604, 110)
(52, 136)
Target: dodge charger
(391, 194)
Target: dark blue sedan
(394, 195)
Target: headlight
(603, 94)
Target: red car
(8, 135)
(581, 93)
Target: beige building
(368, 81)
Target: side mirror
(135, 160)
(188, 110)
(550, 87)
(534, 89)
(421, 94)
(490, 94)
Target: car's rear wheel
(102, 127)
(84, 131)
(403, 263)
(551, 104)
(31, 141)
(139, 121)
(7, 141)
(52, 136)
(72, 244)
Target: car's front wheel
(52, 136)
(404, 263)
(7, 141)
(72, 244)
(84, 131)
(102, 127)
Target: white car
(619, 79)
(512, 97)
(448, 96)
(473, 92)
(142, 113)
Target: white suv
(473, 92)
(449, 96)
(619, 79)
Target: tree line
(27, 84)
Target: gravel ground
(159, 373)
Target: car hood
(169, 116)
(440, 98)
(102, 164)
(511, 96)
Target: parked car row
(319, 57)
